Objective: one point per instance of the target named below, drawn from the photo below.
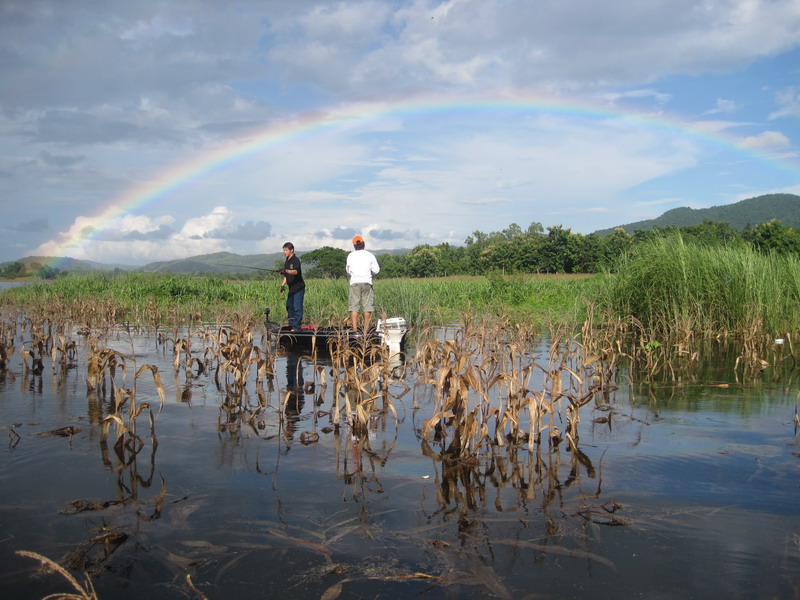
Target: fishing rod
(245, 267)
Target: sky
(133, 132)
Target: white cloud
(714, 127)
(130, 223)
(567, 45)
(156, 27)
(614, 98)
(766, 139)
(373, 47)
(220, 218)
(789, 102)
(135, 239)
(723, 107)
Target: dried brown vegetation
(492, 390)
(82, 592)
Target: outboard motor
(393, 334)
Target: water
(684, 491)
(5, 285)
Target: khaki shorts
(361, 295)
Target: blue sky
(408, 122)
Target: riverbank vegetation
(152, 298)
(668, 285)
(673, 285)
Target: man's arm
(294, 265)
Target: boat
(307, 338)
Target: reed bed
(153, 299)
(669, 300)
(671, 286)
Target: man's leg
(353, 302)
(290, 310)
(298, 308)
(368, 299)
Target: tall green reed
(673, 286)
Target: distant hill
(218, 262)
(783, 207)
(65, 264)
(227, 262)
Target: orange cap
(358, 239)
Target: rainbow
(352, 117)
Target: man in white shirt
(362, 266)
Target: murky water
(678, 492)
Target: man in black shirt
(293, 278)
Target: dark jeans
(294, 308)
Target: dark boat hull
(308, 338)
(323, 339)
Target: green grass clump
(671, 285)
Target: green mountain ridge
(218, 262)
(752, 211)
(68, 264)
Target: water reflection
(362, 455)
(294, 396)
(276, 411)
(294, 373)
(463, 482)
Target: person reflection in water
(294, 393)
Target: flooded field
(279, 477)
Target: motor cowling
(393, 333)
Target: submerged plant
(82, 592)
(492, 390)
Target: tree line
(552, 250)
(16, 269)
